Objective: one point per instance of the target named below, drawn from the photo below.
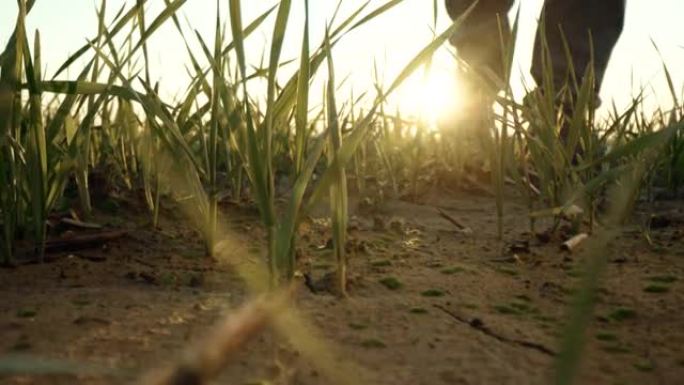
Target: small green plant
(524, 307)
(507, 271)
(663, 278)
(644, 366)
(506, 309)
(418, 310)
(622, 314)
(606, 337)
(373, 343)
(656, 289)
(357, 326)
(26, 313)
(453, 270)
(381, 263)
(523, 298)
(391, 283)
(546, 319)
(616, 349)
(432, 293)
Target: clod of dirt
(325, 284)
(519, 247)
(354, 224)
(660, 221)
(379, 223)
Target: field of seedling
(300, 236)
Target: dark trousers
(581, 23)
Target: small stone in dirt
(26, 313)
(196, 280)
(391, 283)
(418, 310)
(149, 278)
(660, 221)
(132, 275)
(434, 265)
(354, 224)
(622, 314)
(476, 323)
(519, 247)
(619, 260)
(379, 223)
(656, 289)
(22, 345)
(432, 293)
(373, 343)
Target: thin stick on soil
(218, 349)
(461, 227)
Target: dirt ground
(428, 304)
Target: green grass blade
(301, 114)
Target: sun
(432, 95)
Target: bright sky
(391, 40)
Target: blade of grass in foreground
(338, 189)
(37, 149)
(10, 108)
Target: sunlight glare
(432, 97)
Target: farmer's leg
(577, 21)
(479, 39)
(478, 42)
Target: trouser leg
(479, 39)
(578, 21)
(478, 42)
